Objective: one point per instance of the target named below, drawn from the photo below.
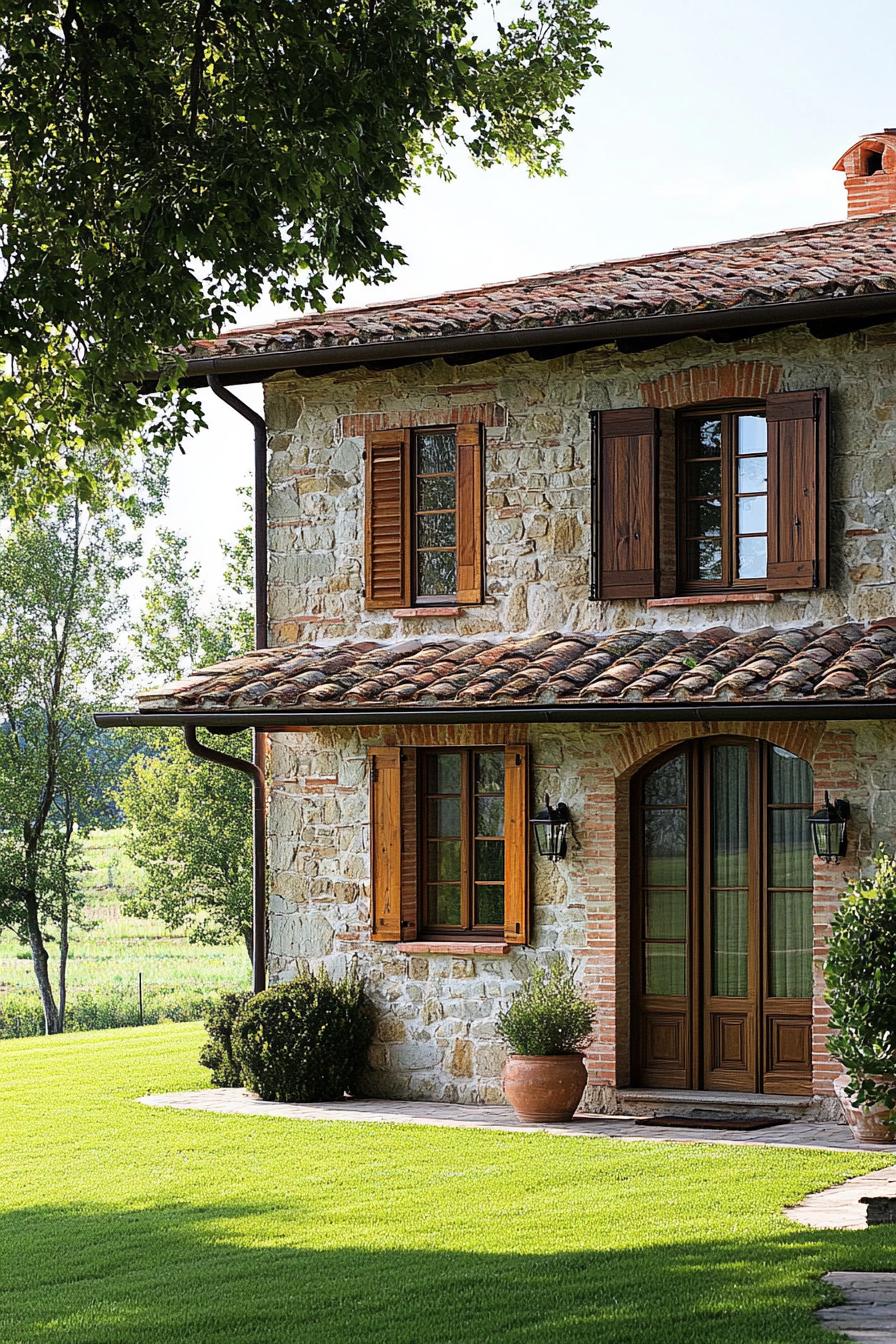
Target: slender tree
(161, 163)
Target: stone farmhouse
(623, 535)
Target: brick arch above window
(634, 746)
(741, 380)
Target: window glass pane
(444, 904)
(443, 860)
(435, 529)
(667, 784)
(791, 848)
(790, 778)
(666, 914)
(436, 573)
(444, 772)
(751, 434)
(705, 478)
(490, 772)
(730, 832)
(705, 559)
(703, 437)
(752, 475)
(665, 968)
(790, 944)
(435, 452)
(490, 905)
(704, 518)
(665, 847)
(436, 492)
(444, 816)
(490, 816)
(729, 943)
(489, 861)
(752, 514)
(752, 558)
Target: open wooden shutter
(469, 513)
(797, 489)
(409, 902)
(385, 842)
(387, 560)
(516, 844)
(625, 540)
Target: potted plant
(546, 1025)
(860, 972)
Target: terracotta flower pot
(869, 1124)
(544, 1089)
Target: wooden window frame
(467, 929)
(413, 514)
(727, 412)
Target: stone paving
(236, 1101)
(840, 1208)
(868, 1315)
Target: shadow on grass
(210, 1274)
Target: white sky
(713, 119)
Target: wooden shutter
(409, 902)
(797, 489)
(385, 842)
(516, 844)
(625, 541)
(469, 513)
(387, 560)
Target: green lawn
(128, 1225)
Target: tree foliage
(61, 602)
(162, 163)
(189, 824)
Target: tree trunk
(63, 959)
(247, 939)
(40, 961)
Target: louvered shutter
(469, 513)
(516, 844)
(625, 540)
(385, 842)
(797, 489)
(409, 901)
(387, 567)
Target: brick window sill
(457, 948)
(412, 613)
(710, 599)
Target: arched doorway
(722, 919)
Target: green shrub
(99, 1009)
(305, 1040)
(217, 1053)
(860, 975)
(549, 1016)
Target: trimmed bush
(217, 1053)
(305, 1040)
(549, 1016)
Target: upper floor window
(711, 499)
(423, 517)
(723, 525)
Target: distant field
(104, 962)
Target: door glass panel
(666, 786)
(790, 778)
(665, 968)
(665, 847)
(791, 848)
(729, 944)
(730, 829)
(666, 914)
(790, 944)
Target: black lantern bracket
(828, 826)
(552, 825)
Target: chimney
(870, 168)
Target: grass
(121, 1224)
(105, 960)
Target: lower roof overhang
(283, 720)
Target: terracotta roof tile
(806, 663)
(849, 257)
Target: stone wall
(537, 480)
(436, 1033)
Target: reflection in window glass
(435, 505)
(462, 823)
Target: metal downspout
(259, 739)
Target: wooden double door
(722, 919)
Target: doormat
(706, 1121)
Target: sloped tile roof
(814, 663)
(844, 259)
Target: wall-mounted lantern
(829, 829)
(551, 825)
